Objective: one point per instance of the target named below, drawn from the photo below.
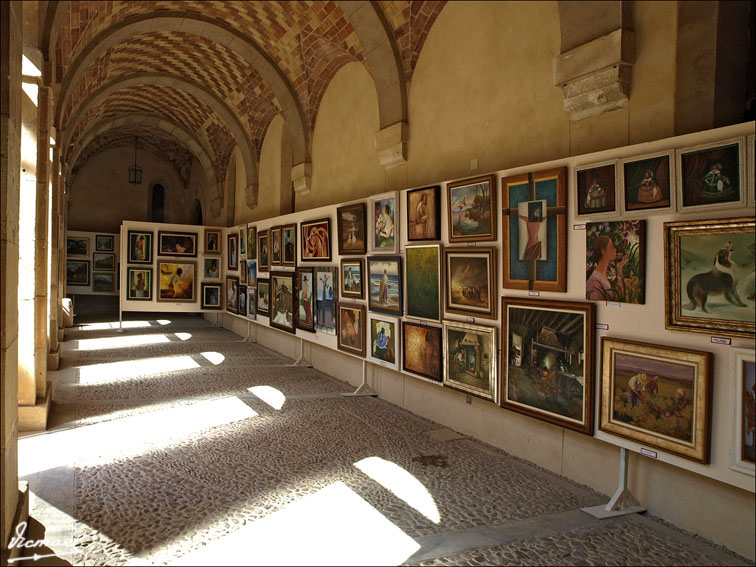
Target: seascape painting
(385, 284)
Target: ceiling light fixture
(135, 172)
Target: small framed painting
(243, 242)
(241, 298)
(251, 302)
(233, 251)
(351, 278)
(177, 244)
(616, 261)
(212, 241)
(326, 284)
(471, 281)
(263, 296)
(77, 246)
(423, 281)
(243, 272)
(140, 247)
(232, 292)
(104, 242)
(263, 250)
(712, 176)
(77, 272)
(212, 268)
(139, 284)
(648, 183)
(385, 284)
(282, 301)
(751, 169)
(421, 350)
(384, 216)
(276, 254)
(289, 237)
(743, 412)
(104, 282)
(103, 261)
(424, 214)
(471, 209)
(657, 395)
(316, 240)
(176, 281)
(384, 341)
(596, 190)
(350, 220)
(304, 287)
(470, 359)
(351, 328)
(251, 242)
(251, 272)
(211, 295)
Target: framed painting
(350, 220)
(350, 330)
(233, 251)
(232, 291)
(243, 272)
(423, 281)
(104, 261)
(241, 298)
(140, 247)
(316, 240)
(471, 281)
(470, 359)
(289, 238)
(263, 250)
(211, 295)
(77, 246)
(263, 296)
(351, 278)
(304, 287)
(251, 272)
(595, 191)
(424, 214)
(534, 231)
(212, 268)
(139, 282)
(282, 301)
(471, 209)
(421, 350)
(657, 395)
(648, 183)
(77, 272)
(743, 410)
(547, 360)
(212, 241)
(384, 341)
(251, 302)
(385, 284)
(104, 243)
(276, 254)
(177, 244)
(243, 242)
(751, 169)
(384, 216)
(103, 281)
(712, 176)
(251, 242)
(616, 261)
(709, 276)
(326, 282)
(176, 281)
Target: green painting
(424, 282)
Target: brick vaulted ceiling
(113, 60)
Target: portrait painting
(743, 415)
(351, 226)
(251, 242)
(712, 176)
(596, 190)
(263, 296)
(212, 241)
(351, 330)
(177, 244)
(326, 284)
(470, 359)
(211, 295)
(243, 272)
(547, 360)
(263, 250)
(104, 242)
(421, 350)
(289, 238)
(471, 209)
(385, 284)
(616, 261)
(176, 281)
(241, 297)
(140, 247)
(77, 272)
(471, 281)
(648, 183)
(212, 268)
(316, 240)
(232, 293)
(384, 341)
(276, 254)
(139, 284)
(305, 293)
(251, 302)
(103, 261)
(384, 216)
(351, 278)
(282, 301)
(424, 214)
(423, 275)
(532, 241)
(243, 242)
(77, 246)
(657, 395)
(233, 251)
(104, 282)
(251, 272)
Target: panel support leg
(301, 361)
(622, 502)
(361, 386)
(249, 330)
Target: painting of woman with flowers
(616, 261)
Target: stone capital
(250, 194)
(301, 178)
(391, 145)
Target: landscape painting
(743, 403)
(77, 246)
(77, 272)
(471, 209)
(103, 261)
(103, 282)
(471, 281)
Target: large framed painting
(470, 359)
(263, 250)
(304, 287)
(471, 209)
(140, 247)
(251, 302)
(471, 281)
(241, 298)
(616, 261)
(104, 261)
(77, 246)
(657, 395)
(77, 272)
(212, 294)
(212, 241)
(385, 284)
(289, 238)
(251, 242)
(534, 229)
(648, 184)
(233, 252)
(350, 330)
(421, 350)
(276, 253)
(423, 281)
(709, 276)
(547, 360)
(712, 176)
(263, 296)
(232, 293)
(103, 281)
(595, 191)
(243, 242)
(351, 278)
(351, 223)
(176, 281)
(139, 284)
(251, 272)
(384, 341)
(326, 284)
(384, 216)
(743, 410)
(104, 243)
(177, 244)
(282, 301)
(212, 268)
(316, 240)
(424, 214)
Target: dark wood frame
(297, 287)
(89, 271)
(229, 307)
(275, 236)
(263, 235)
(312, 223)
(251, 242)
(273, 289)
(148, 286)
(358, 208)
(111, 273)
(204, 305)
(358, 307)
(94, 260)
(252, 292)
(266, 283)
(148, 249)
(493, 291)
(439, 281)
(436, 212)
(241, 292)
(88, 246)
(349, 294)
(232, 236)
(242, 242)
(163, 233)
(286, 261)
(399, 311)
(440, 335)
(450, 187)
(110, 248)
(217, 233)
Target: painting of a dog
(722, 279)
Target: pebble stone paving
(168, 498)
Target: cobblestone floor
(174, 443)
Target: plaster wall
(271, 182)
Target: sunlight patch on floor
(183, 336)
(213, 357)
(109, 372)
(115, 325)
(270, 395)
(118, 342)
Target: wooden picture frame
(657, 396)
(232, 291)
(177, 282)
(326, 298)
(241, 299)
(212, 296)
(383, 343)
(352, 278)
(243, 242)
(251, 242)
(212, 268)
(424, 214)
(263, 296)
(742, 396)
(232, 257)
(140, 247)
(471, 288)
(263, 250)
(104, 243)
(139, 284)
(103, 261)
(77, 272)
(384, 285)
(595, 191)
(712, 176)
(648, 184)
(616, 261)
(422, 350)
(251, 302)
(751, 169)
(212, 241)
(289, 244)
(282, 301)
(251, 272)
(304, 306)
(547, 360)
(351, 222)
(701, 294)
(276, 252)
(470, 359)
(383, 231)
(351, 328)
(423, 271)
(471, 209)
(174, 243)
(243, 272)
(103, 281)
(316, 240)
(77, 246)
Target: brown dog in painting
(721, 280)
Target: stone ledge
(391, 145)
(34, 418)
(301, 178)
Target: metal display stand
(301, 361)
(622, 502)
(357, 392)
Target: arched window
(196, 212)
(157, 210)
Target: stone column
(52, 334)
